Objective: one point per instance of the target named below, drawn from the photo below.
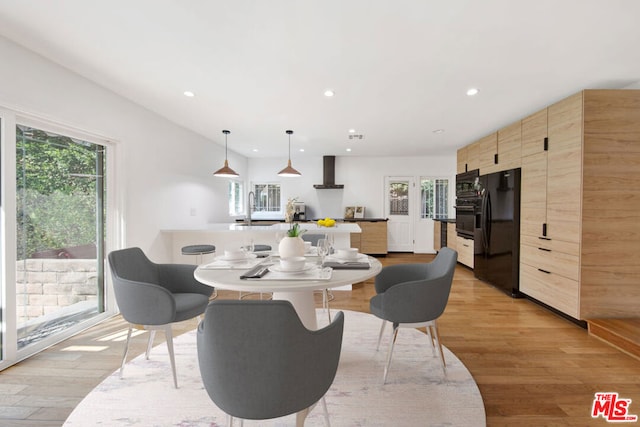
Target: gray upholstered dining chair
(412, 296)
(154, 296)
(258, 361)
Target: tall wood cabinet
(550, 205)
(580, 204)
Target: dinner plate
(246, 257)
(360, 257)
(279, 269)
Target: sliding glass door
(54, 213)
(60, 229)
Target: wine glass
(330, 242)
(249, 246)
(324, 247)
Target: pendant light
(289, 171)
(225, 171)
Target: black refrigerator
(497, 234)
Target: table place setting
(234, 260)
(295, 268)
(347, 259)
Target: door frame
(114, 230)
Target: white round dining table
(298, 291)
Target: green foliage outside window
(56, 182)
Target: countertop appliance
(497, 239)
(299, 213)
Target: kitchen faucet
(250, 206)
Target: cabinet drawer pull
(545, 249)
(544, 271)
(544, 238)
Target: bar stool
(200, 251)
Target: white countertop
(339, 228)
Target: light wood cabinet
(464, 247)
(451, 236)
(510, 147)
(495, 152)
(461, 160)
(481, 154)
(564, 169)
(534, 134)
(533, 194)
(373, 238)
(449, 228)
(437, 235)
(580, 197)
(550, 206)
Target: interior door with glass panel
(399, 210)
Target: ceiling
(400, 69)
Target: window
(236, 198)
(267, 198)
(399, 198)
(434, 198)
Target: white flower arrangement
(290, 210)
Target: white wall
(363, 179)
(166, 169)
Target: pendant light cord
(226, 133)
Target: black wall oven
(468, 203)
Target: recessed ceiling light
(438, 131)
(189, 94)
(302, 150)
(329, 93)
(348, 149)
(472, 91)
(255, 150)
(352, 131)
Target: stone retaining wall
(45, 286)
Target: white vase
(290, 247)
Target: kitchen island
(232, 236)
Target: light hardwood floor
(533, 368)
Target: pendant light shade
(289, 170)
(225, 171)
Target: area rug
(417, 392)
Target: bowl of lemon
(327, 222)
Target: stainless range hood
(328, 174)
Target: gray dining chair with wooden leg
(258, 361)
(153, 296)
(413, 296)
